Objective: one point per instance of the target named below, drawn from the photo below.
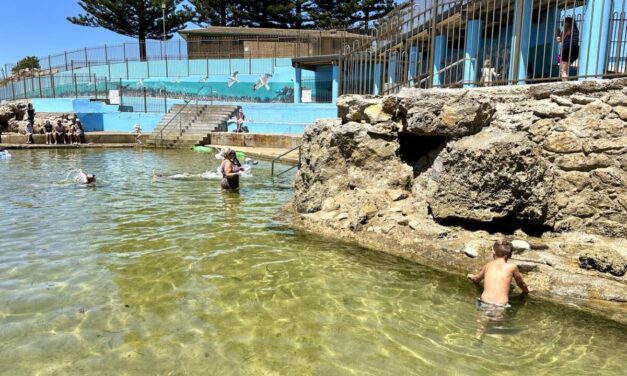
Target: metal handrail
(187, 102)
(281, 156)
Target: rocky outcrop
(13, 118)
(436, 175)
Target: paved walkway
(264, 153)
(253, 152)
(64, 146)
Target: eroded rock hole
(419, 151)
(506, 225)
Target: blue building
(462, 43)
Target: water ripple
(163, 276)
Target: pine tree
(372, 10)
(282, 14)
(327, 14)
(351, 14)
(141, 19)
(211, 12)
(292, 14)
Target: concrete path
(264, 153)
(64, 146)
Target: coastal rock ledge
(430, 175)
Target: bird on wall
(263, 80)
(233, 79)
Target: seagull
(233, 79)
(263, 80)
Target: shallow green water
(145, 275)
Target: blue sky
(39, 27)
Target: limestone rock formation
(432, 174)
(492, 176)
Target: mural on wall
(233, 88)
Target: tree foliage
(141, 19)
(29, 62)
(289, 14)
(211, 12)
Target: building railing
(463, 43)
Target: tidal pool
(147, 275)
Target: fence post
(165, 53)
(39, 79)
(13, 88)
(96, 85)
(66, 67)
(86, 60)
(24, 84)
(75, 86)
(165, 100)
(106, 54)
(106, 88)
(594, 38)
(54, 93)
(145, 101)
(147, 68)
(180, 50)
(72, 65)
(121, 92)
(520, 43)
(127, 77)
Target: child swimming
(85, 179)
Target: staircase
(187, 125)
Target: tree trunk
(142, 49)
(223, 13)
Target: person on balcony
(569, 38)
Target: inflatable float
(207, 149)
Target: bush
(29, 62)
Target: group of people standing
(55, 134)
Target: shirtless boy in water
(498, 276)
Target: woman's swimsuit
(230, 183)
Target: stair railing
(187, 102)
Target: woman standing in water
(230, 171)
(570, 46)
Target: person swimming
(85, 179)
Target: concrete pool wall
(274, 118)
